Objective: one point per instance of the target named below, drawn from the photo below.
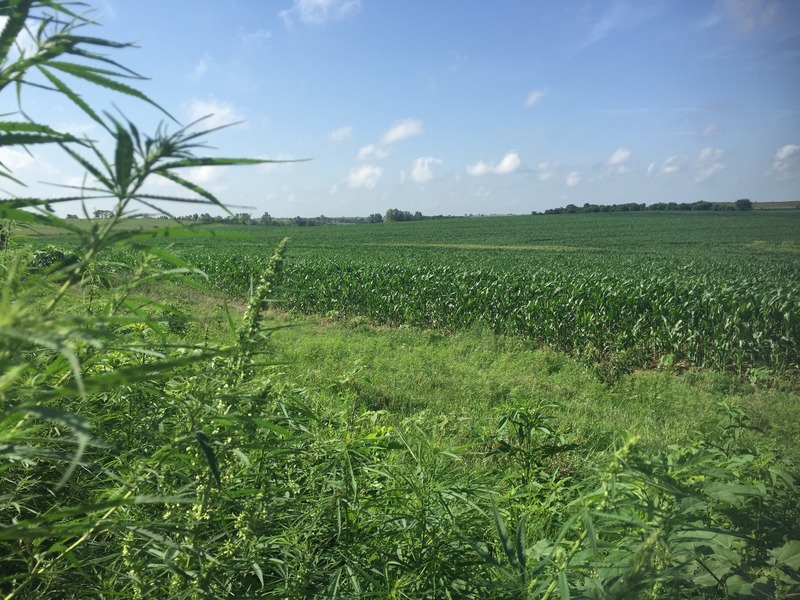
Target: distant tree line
(393, 214)
(742, 204)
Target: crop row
(705, 315)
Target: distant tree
(394, 214)
(299, 221)
(743, 204)
(375, 218)
(72, 216)
(417, 216)
(266, 219)
(103, 214)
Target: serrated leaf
(190, 186)
(211, 162)
(102, 77)
(563, 586)
(73, 96)
(79, 426)
(211, 457)
(123, 159)
(259, 573)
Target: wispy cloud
(619, 157)
(319, 12)
(616, 162)
(341, 134)
(744, 15)
(708, 163)
(509, 163)
(421, 170)
(787, 159)
(373, 152)
(365, 176)
(573, 179)
(402, 130)
(621, 15)
(254, 39)
(218, 113)
(535, 96)
(15, 160)
(201, 67)
(672, 165)
(710, 130)
(546, 171)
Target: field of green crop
(158, 440)
(720, 290)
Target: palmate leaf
(17, 12)
(103, 78)
(69, 93)
(21, 133)
(205, 445)
(200, 191)
(212, 162)
(76, 423)
(123, 159)
(103, 179)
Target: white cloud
(421, 170)
(535, 97)
(708, 163)
(14, 160)
(616, 162)
(372, 152)
(478, 169)
(573, 179)
(546, 171)
(402, 130)
(786, 157)
(509, 163)
(672, 165)
(205, 175)
(218, 113)
(201, 67)
(319, 12)
(365, 176)
(619, 157)
(341, 134)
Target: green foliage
(702, 289)
(136, 462)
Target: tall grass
(135, 463)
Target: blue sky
(464, 107)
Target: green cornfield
(718, 291)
